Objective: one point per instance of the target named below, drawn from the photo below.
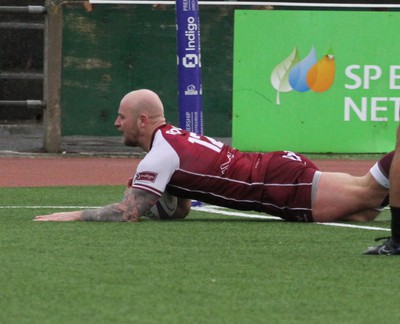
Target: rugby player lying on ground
(191, 166)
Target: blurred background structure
(63, 70)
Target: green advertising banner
(316, 81)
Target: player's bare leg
(341, 196)
(392, 244)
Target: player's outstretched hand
(59, 217)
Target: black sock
(395, 224)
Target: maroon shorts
(290, 176)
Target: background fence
(109, 50)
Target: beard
(130, 140)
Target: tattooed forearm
(109, 213)
(135, 204)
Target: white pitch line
(216, 210)
(48, 207)
(372, 228)
(210, 209)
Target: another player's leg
(380, 171)
(391, 246)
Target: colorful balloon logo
(301, 76)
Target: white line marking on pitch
(217, 210)
(210, 209)
(48, 207)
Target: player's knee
(366, 216)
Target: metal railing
(378, 4)
(51, 76)
(21, 25)
(21, 75)
(23, 9)
(23, 103)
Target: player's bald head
(143, 101)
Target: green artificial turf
(208, 268)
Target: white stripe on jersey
(247, 183)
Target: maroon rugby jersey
(201, 168)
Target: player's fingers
(45, 218)
(39, 218)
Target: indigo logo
(301, 76)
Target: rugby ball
(164, 208)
